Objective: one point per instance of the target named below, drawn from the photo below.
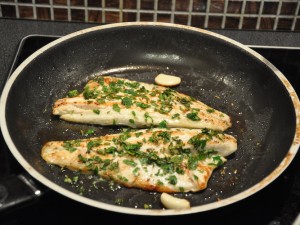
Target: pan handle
(19, 191)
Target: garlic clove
(172, 202)
(167, 80)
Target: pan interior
(213, 71)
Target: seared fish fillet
(118, 101)
(163, 160)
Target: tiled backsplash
(219, 14)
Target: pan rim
(153, 212)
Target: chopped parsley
(163, 124)
(147, 118)
(90, 94)
(119, 201)
(193, 116)
(172, 179)
(127, 102)
(72, 93)
(175, 155)
(136, 171)
(142, 105)
(147, 206)
(176, 116)
(71, 145)
(129, 162)
(97, 111)
(116, 107)
(210, 110)
(88, 132)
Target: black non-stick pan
(214, 69)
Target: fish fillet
(117, 101)
(157, 159)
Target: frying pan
(214, 69)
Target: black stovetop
(279, 202)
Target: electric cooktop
(30, 202)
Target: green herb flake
(72, 93)
(92, 144)
(68, 180)
(163, 124)
(131, 121)
(159, 183)
(210, 110)
(71, 145)
(88, 132)
(110, 150)
(172, 179)
(130, 162)
(122, 178)
(217, 160)
(158, 136)
(127, 102)
(131, 149)
(176, 116)
(75, 179)
(138, 134)
(81, 190)
(147, 117)
(136, 171)
(147, 206)
(114, 166)
(119, 201)
(142, 105)
(181, 189)
(132, 84)
(90, 94)
(197, 142)
(100, 100)
(192, 163)
(116, 108)
(193, 116)
(97, 111)
(185, 102)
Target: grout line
(173, 10)
(155, 10)
(189, 21)
(34, 10)
(69, 10)
(17, 9)
(277, 14)
(206, 14)
(259, 14)
(224, 14)
(242, 15)
(51, 10)
(86, 18)
(103, 11)
(121, 6)
(138, 8)
(295, 17)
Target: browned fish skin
(163, 160)
(118, 101)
